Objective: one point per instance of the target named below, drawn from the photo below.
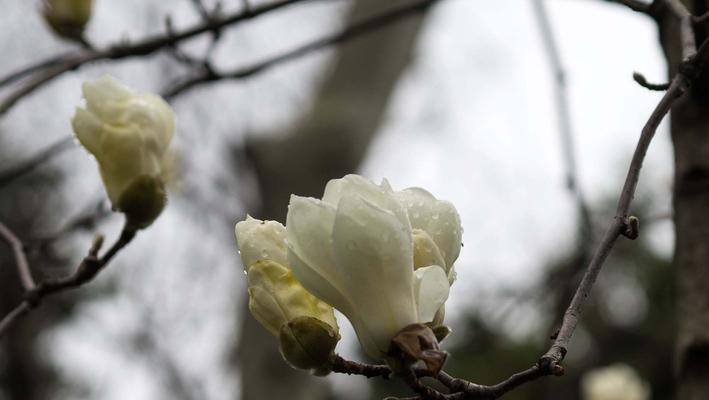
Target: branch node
(33, 296)
(631, 228)
(689, 68)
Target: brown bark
(328, 142)
(690, 136)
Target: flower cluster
(381, 257)
(128, 133)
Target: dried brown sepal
(418, 342)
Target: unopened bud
(67, 18)
(143, 201)
(308, 343)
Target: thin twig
(635, 5)
(35, 161)
(23, 267)
(17, 75)
(355, 30)
(642, 81)
(87, 270)
(565, 126)
(557, 351)
(9, 319)
(143, 47)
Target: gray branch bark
(690, 136)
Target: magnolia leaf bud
(143, 200)
(308, 343)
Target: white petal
(315, 282)
(355, 185)
(104, 95)
(88, 129)
(309, 226)
(438, 218)
(373, 254)
(431, 291)
(153, 118)
(259, 240)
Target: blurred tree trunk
(690, 135)
(25, 373)
(327, 142)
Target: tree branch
(143, 47)
(35, 161)
(557, 351)
(23, 267)
(87, 270)
(368, 25)
(565, 127)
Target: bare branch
(642, 81)
(355, 30)
(556, 353)
(565, 127)
(635, 5)
(143, 47)
(35, 161)
(17, 75)
(23, 267)
(87, 270)
(22, 309)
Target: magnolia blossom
(357, 249)
(305, 325)
(128, 133)
(614, 382)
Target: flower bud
(276, 297)
(67, 18)
(308, 343)
(128, 133)
(143, 200)
(261, 240)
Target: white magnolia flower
(355, 249)
(614, 382)
(127, 132)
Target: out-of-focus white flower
(67, 18)
(614, 382)
(128, 133)
(356, 249)
(306, 326)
